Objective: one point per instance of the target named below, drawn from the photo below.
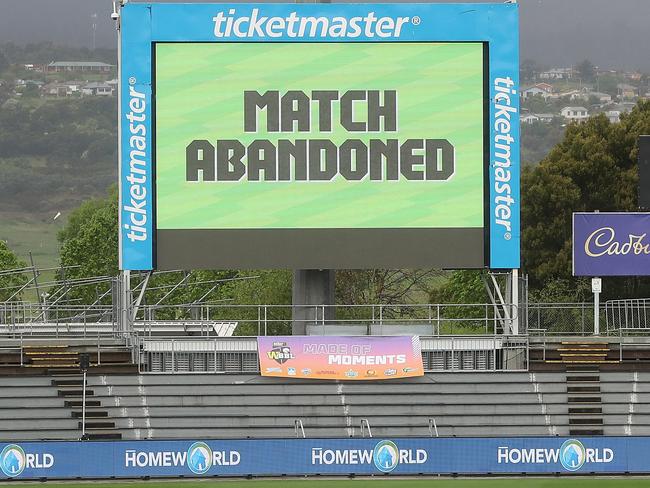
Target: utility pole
(38, 292)
(94, 26)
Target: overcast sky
(611, 33)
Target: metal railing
(428, 319)
(627, 317)
(182, 355)
(440, 319)
(433, 427)
(552, 319)
(562, 318)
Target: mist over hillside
(553, 32)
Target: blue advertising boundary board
(369, 456)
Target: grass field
(27, 233)
(377, 482)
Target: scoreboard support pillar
(515, 301)
(313, 295)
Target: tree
(386, 286)
(537, 104)
(465, 286)
(608, 84)
(586, 70)
(89, 245)
(89, 248)
(538, 138)
(4, 62)
(529, 70)
(31, 91)
(10, 278)
(593, 168)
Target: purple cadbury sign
(611, 244)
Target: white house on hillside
(543, 89)
(97, 89)
(575, 114)
(529, 118)
(557, 74)
(546, 118)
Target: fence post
(486, 318)
(453, 365)
(173, 358)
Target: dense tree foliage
(56, 154)
(586, 71)
(593, 168)
(528, 70)
(4, 61)
(89, 248)
(90, 239)
(46, 52)
(538, 138)
(10, 282)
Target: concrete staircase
(557, 356)
(583, 352)
(98, 424)
(62, 359)
(584, 400)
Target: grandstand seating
(240, 406)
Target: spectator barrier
(369, 456)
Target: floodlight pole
(124, 285)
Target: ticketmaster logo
(295, 26)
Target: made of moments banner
(340, 358)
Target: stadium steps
(240, 406)
(186, 406)
(555, 355)
(54, 356)
(98, 424)
(61, 359)
(585, 410)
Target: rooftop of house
(96, 84)
(94, 64)
(575, 109)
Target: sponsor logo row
(200, 458)
(350, 373)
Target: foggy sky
(611, 33)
